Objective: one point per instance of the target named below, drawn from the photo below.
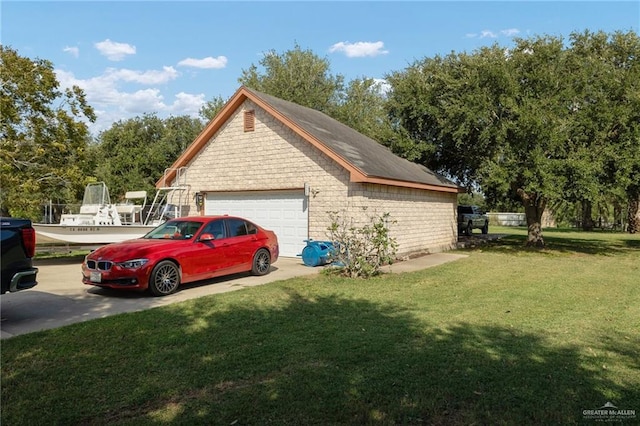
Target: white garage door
(283, 212)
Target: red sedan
(182, 250)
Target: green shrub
(360, 251)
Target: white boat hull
(56, 233)
(100, 222)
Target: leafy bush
(360, 251)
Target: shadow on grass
(323, 360)
(564, 241)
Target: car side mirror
(206, 237)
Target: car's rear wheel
(261, 262)
(164, 279)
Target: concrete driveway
(60, 298)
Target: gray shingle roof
(362, 152)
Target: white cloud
(187, 104)
(114, 51)
(101, 91)
(488, 34)
(111, 103)
(104, 89)
(141, 101)
(74, 51)
(205, 63)
(359, 49)
(510, 32)
(142, 77)
(128, 105)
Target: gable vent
(249, 121)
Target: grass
(71, 254)
(507, 335)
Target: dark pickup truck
(18, 246)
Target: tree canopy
(43, 136)
(543, 120)
(134, 153)
(298, 76)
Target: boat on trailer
(101, 222)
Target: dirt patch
(477, 240)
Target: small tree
(361, 250)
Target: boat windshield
(175, 230)
(96, 194)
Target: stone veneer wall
(273, 157)
(421, 221)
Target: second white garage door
(284, 212)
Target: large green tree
(517, 121)
(43, 136)
(297, 75)
(136, 152)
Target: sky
(170, 57)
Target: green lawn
(505, 336)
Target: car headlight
(132, 264)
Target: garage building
(286, 167)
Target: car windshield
(175, 230)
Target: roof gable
(364, 158)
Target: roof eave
(361, 178)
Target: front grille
(102, 265)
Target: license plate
(96, 277)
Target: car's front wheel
(164, 279)
(261, 262)
(470, 228)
